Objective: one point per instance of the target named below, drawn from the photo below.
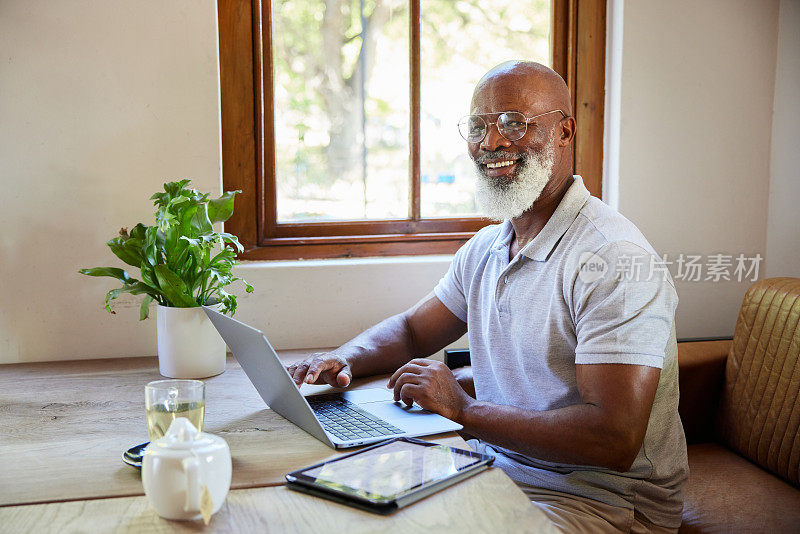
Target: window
(339, 116)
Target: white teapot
(176, 467)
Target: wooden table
(64, 426)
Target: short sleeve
(450, 289)
(624, 305)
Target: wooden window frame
(248, 155)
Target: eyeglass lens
(511, 125)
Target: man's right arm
(420, 331)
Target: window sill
(431, 259)
(357, 246)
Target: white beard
(500, 200)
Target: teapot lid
(183, 435)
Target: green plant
(183, 262)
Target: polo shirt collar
(542, 245)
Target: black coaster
(133, 456)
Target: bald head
(540, 84)
(513, 172)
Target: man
(570, 313)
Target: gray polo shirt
(587, 289)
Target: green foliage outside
(183, 262)
(318, 51)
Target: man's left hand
(430, 384)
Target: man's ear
(567, 131)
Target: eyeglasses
(512, 125)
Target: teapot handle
(191, 466)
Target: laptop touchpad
(393, 410)
(367, 395)
(380, 402)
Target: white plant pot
(188, 344)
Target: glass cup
(166, 400)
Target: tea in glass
(166, 400)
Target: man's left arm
(606, 429)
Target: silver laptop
(341, 419)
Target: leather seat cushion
(727, 493)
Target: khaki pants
(574, 514)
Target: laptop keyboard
(347, 421)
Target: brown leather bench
(740, 406)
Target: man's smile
(497, 165)
(500, 167)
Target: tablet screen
(391, 469)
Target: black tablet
(389, 475)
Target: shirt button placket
(505, 297)
(498, 294)
(501, 297)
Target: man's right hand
(322, 368)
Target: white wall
(100, 103)
(696, 112)
(783, 226)
(326, 302)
